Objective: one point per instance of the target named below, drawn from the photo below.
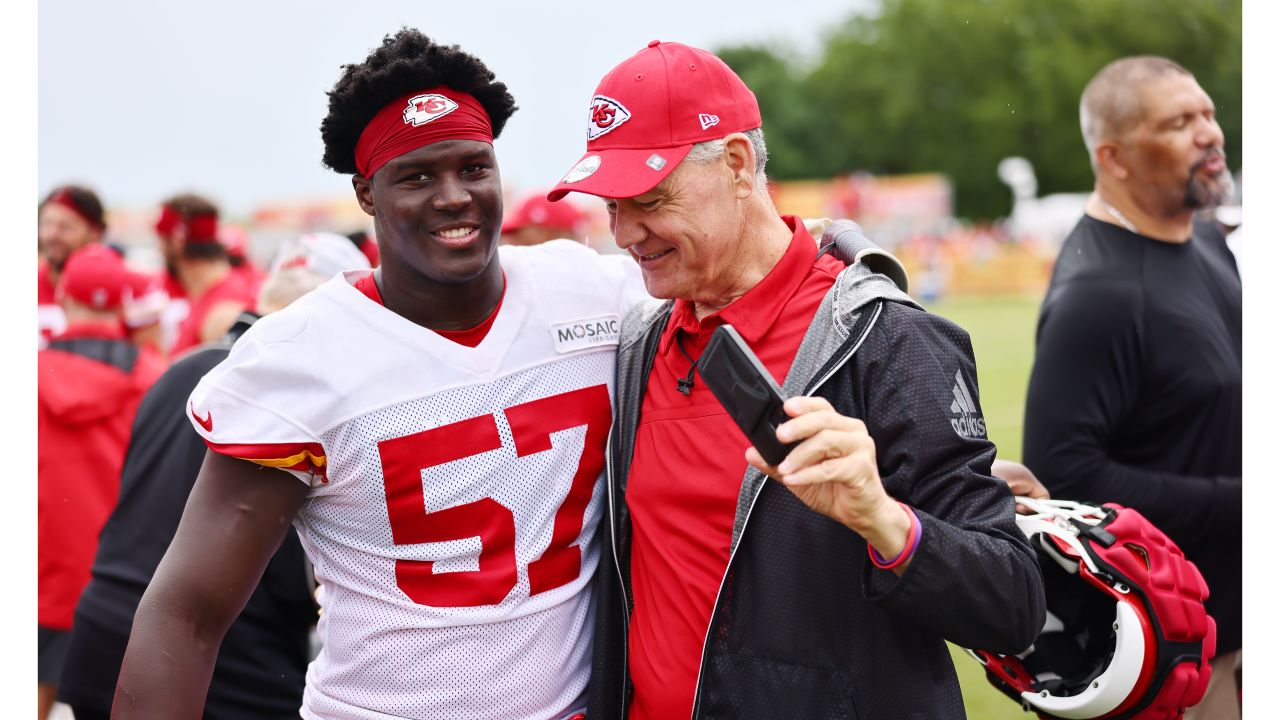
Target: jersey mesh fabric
(505, 658)
(363, 382)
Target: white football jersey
(454, 491)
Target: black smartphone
(747, 391)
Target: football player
(434, 429)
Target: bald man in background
(1135, 393)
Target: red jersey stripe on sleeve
(301, 457)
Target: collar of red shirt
(755, 312)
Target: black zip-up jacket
(803, 625)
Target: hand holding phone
(747, 391)
(854, 494)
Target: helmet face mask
(1126, 634)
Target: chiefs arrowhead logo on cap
(606, 114)
(423, 109)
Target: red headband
(200, 228)
(420, 118)
(66, 200)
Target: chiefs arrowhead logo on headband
(606, 114)
(425, 108)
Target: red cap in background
(536, 209)
(649, 111)
(94, 276)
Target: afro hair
(405, 62)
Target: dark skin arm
(235, 519)
(1022, 482)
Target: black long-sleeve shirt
(1135, 395)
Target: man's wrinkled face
(684, 232)
(1175, 151)
(61, 232)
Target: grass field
(1003, 333)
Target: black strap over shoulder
(119, 354)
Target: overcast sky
(143, 98)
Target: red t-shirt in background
(686, 471)
(232, 288)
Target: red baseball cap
(649, 111)
(536, 209)
(95, 276)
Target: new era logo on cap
(606, 114)
(707, 120)
(423, 109)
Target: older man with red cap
(89, 383)
(824, 586)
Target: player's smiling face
(438, 209)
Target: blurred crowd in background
(961, 202)
(910, 215)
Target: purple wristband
(916, 531)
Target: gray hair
(712, 149)
(1110, 104)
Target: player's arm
(236, 518)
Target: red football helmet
(1126, 635)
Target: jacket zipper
(812, 387)
(617, 567)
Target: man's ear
(364, 194)
(740, 158)
(1109, 158)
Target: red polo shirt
(687, 469)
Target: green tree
(955, 86)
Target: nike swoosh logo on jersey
(206, 423)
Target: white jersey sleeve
(242, 408)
